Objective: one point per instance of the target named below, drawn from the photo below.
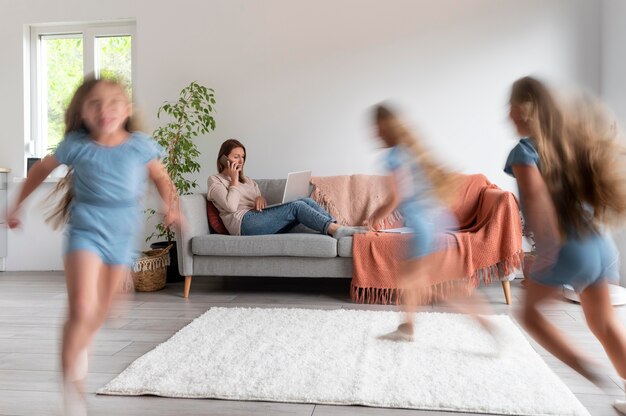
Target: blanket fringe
(146, 264)
(442, 290)
(320, 197)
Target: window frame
(35, 144)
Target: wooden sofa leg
(187, 286)
(506, 285)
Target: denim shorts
(582, 263)
(427, 224)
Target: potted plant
(190, 117)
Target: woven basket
(150, 270)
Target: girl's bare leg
(410, 280)
(548, 335)
(91, 287)
(82, 271)
(474, 305)
(110, 282)
(605, 325)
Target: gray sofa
(299, 253)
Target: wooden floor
(32, 307)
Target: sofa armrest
(195, 222)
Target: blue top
(107, 183)
(110, 176)
(524, 153)
(421, 209)
(582, 260)
(413, 185)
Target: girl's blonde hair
(444, 182)
(59, 215)
(581, 160)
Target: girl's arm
(539, 213)
(375, 220)
(34, 178)
(158, 175)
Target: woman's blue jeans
(282, 218)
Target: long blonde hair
(444, 182)
(59, 214)
(580, 158)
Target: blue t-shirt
(421, 209)
(416, 195)
(524, 153)
(413, 184)
(581, 262)
(112, 176)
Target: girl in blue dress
(571, 185)
(420, 188)
(110, 163)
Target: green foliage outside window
(64, 73)
(114, 59)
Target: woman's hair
(444, 181)
(225, 150)
(580, 158)
(59, 215)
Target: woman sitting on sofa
(243, 210)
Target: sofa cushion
(344, 247)
(290, 244)
(215, 222)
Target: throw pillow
(215, 222)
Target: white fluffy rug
(334, 357)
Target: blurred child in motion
(420, 189)
(571, 175)
(110, 162)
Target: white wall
(613, 86)
(294, 79)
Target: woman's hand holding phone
(232, 169)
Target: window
(60, 57)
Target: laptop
(297, 187)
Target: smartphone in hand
(224, 161)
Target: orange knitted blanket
(487, 246)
